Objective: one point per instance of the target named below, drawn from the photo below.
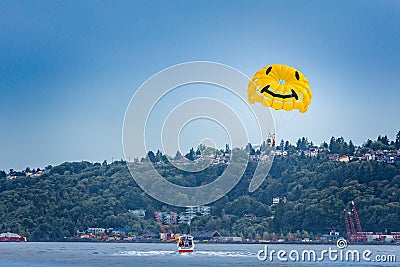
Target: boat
(185, 244)
(11, 237)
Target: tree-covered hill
(314, 191)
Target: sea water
(32, 254)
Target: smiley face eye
(297, 75)
(268, 70)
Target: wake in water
(226, 253)
(145, 253)
(193, 254)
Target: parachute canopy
(280, 87)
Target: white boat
(185, 244)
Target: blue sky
(69, 68)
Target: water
(33, 254)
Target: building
(141, 213)
(205, 235)
(192, 212)
(203, 210)
(185, 219)
(381, 237)
(165, 217)
(122, 231)
(277, 200)
(95, 230)
(198, 210)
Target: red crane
(360, 232)
(347, 224)
(171, 222)
(159, 222)
(353, 230)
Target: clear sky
(69, 68)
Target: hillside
(77, 195)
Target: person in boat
(181, 243)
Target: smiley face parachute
(280, 87)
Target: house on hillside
(141, 213)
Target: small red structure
(352, 235)
(11, 237)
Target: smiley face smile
(266, 90)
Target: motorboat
(185, 244)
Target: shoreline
(76, 240)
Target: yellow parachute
(280, 87)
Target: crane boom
(171, 222)
(357, 219)
(347, 224)
(350, 228)
(159, 222)
(353, 230)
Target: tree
(378, 145)
(198, 152)
(344, 149)
(305, 234)
(368, 143)
(384, 140)
(333, 148)
(178, 156)
(352, 148)
(250, 149)
(158, 155)
(151, 156)
(302, 144)
(281, 145)
(190, 155)
(324, 145)
(227, 149)
(287, 145)
(3, 174)
(397, 142)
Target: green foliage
(247, 205)
(340, 146)
(383, 143)
(190, 155)
(77, 195)
(302, 144)
(397, 142)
